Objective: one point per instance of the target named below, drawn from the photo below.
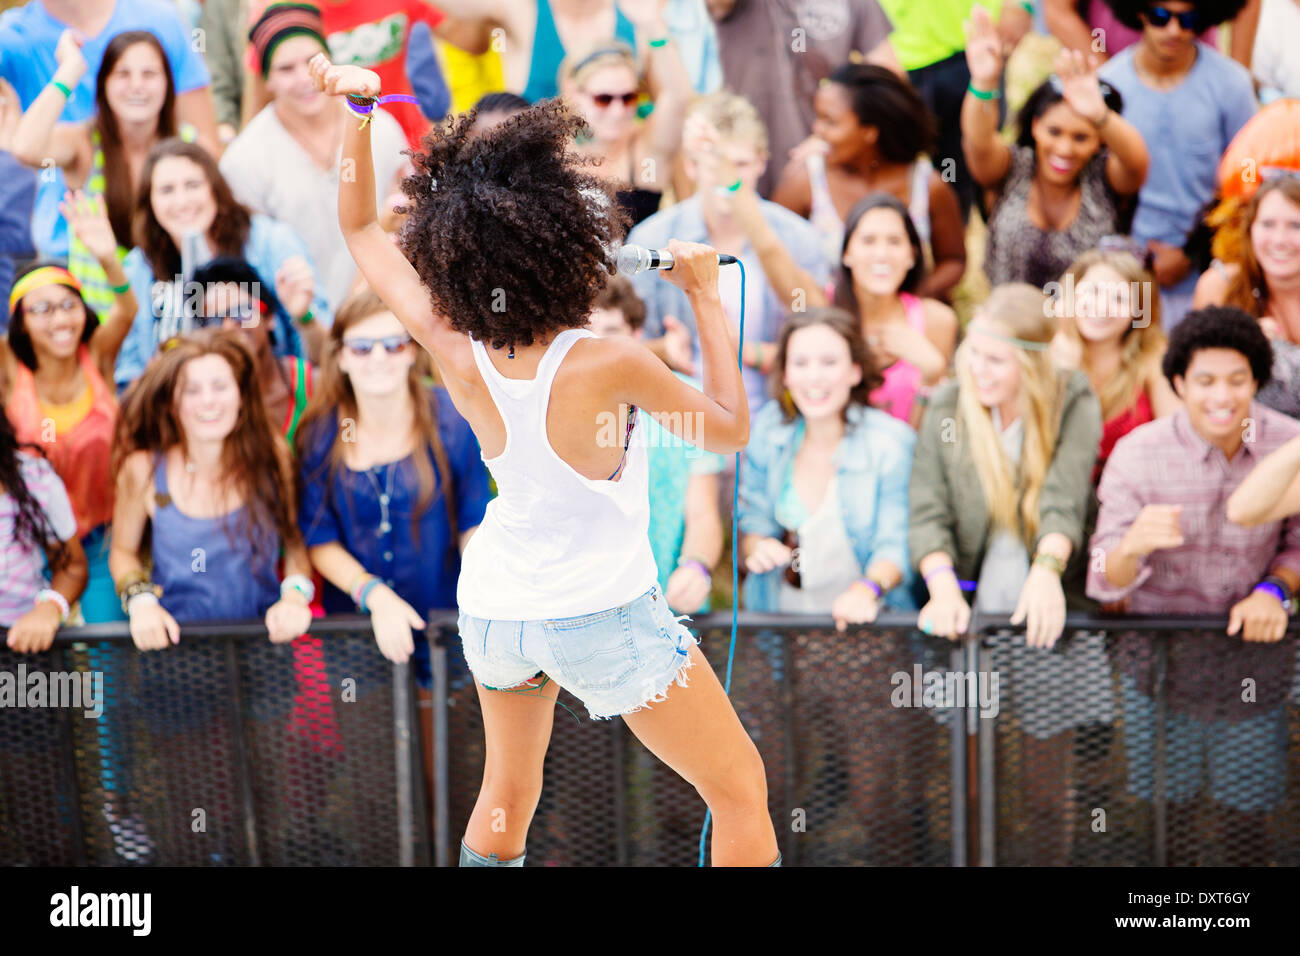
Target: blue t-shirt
(1187, 129)
(348, 510)
(27, 41)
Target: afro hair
(1219, 327)
(510, 234)
(1210, 14)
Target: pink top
(902, 379)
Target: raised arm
(1271, 491)
(718, 416)
(88, 220)
(671, 88)
(986, 155)
(38, 136)
(1127, 160)
(380, 261)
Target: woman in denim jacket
(824, 501)
(827, 475)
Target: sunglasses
(1159, 17)
(603, 100)
(393, 344)
(239, 313)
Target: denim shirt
(873, 465)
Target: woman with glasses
(61, 359)
(185, 215)
(393, 486)
(870, 134)
(1058, 190)
(602, 85)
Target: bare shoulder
(136, 472)
(939, 316)
(1212, 286)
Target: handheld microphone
(634, 259)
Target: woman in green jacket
(1000, 495)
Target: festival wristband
(299, 583)
(982, 94)
(875, 586)
(62, 88)
(697, 565)
(122, 289)
(964, 585)
(1050, 561)
(1029, 7)
(1278, 588)
(364, 106)
(366, 588)
(49, 594)
(659, 41)
(307, 318)
(355, 591)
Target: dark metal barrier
(882, 746)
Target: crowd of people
(210, 415)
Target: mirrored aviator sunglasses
(392, 344)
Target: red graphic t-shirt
(374, 34)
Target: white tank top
(554, 543)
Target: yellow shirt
(469, 75)
(69, 416)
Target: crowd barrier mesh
(882, 746)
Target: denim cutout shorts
(615, 661)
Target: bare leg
(696, 732)
(517, 725)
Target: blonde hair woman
(1110, 328)
(1028, 432)
(602, 84)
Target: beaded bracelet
(355, 591)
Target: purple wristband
(964, 585)
(698, 565)
(1270, 588)
(874, 585)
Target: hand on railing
(392, 619)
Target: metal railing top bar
(444, 621)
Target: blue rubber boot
(469, 858)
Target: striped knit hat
(279, 22)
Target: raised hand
(87, 217)
(341, 80)
(295, 284)
(71, 63)
(1079, 85)
(983, 50)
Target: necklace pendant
(385, 527)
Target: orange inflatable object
(1270, 141)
